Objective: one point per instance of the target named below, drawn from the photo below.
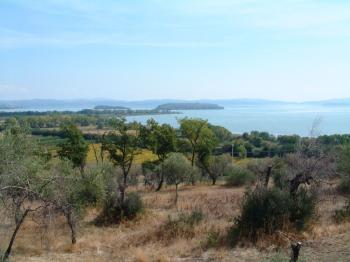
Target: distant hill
(188, 106)
(332, 102)
(103, 107)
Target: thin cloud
(181, 23)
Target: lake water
(275, 119)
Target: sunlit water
(275, 119)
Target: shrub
(343, 214)
(344, 185)
(280, 178)
(343, 166)
(183, 225)
(114, 212)
(264, 211)
(268, 210)
(91, 187)
(132, 205)
(302, 209)
(238, 176)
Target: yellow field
(145, 155)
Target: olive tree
(71, 192)
(24, 178)
(200, 137)
(216, 166)
(176, 170)
(161, 140)
(122, 145)
(74, 147)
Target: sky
(292, 50)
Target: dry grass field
(149, 238)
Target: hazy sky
(142, 49)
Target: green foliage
(74, 147)
(73, 191)
(280, 178)
(115, 211)
(132, 206)
(24, 178)
(260, 144)
(342, 215)
(23, 165)
(242, 151)
(216, 166)
(302, 209)
(91, 187)
(160, 139)
(176, 169)
(221, 133)
(344, 169)
(151, 171)
(265, 211)
(122, 145)
(344, 185)
(199, 135)
(239, 176)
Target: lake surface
(275, 119)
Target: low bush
(91, 187)
(280, 178)
(344, 185)
(264, 211)
(238, 176)
(114, 212)
(182, 226)
(342, 215)
(302, 209)
(267, 210)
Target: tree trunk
(72, 226)
(122, 193)
(214, 180)
(13, 237)
(295, 252)
(123, 187)
(160, 184)
(193, 182)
